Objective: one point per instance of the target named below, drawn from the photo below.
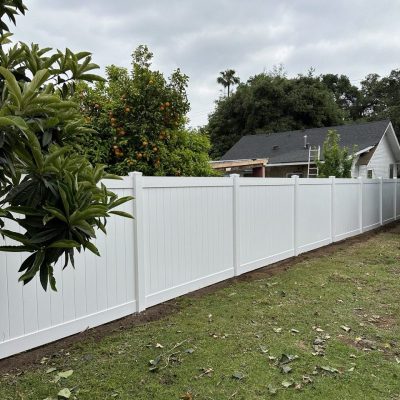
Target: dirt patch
(362, 344)
(33, 357)
(380, 321)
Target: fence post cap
(135, 173)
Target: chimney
(305, 142)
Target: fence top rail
(389, 180)
(370, 181)
(315, 181)
(124, 183)
(347, 181)
(184, 181)
(266, 181)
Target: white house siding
(362, 171)
(381, 159)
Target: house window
(369, 173)
(391, 171)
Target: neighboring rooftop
(288, 147)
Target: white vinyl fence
(188, 233)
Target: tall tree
(139, 118)
(53, 194)
(266, 104)
(347, 96)
(228, 79)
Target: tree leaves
(46, 187)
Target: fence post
(380, 200)
(236, 236)
(295, 214)
(395, 199)
(360, 203)
(332, 178)
(140, 277)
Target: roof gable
(288, 147)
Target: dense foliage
(51, 195)
(271, 103)
(140, 118)
(337, 160)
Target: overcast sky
(204, 37)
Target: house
(253, 167)
(377, 150)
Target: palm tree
(228, 79)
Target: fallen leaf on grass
(325, 368)
(50, 370)
(65, 374)
(272, 389)
(154, 364)
(287, 358)
(277, 330)
(345, 328)
(286, 369)
(263, 349)
(64, 393)
(287, 384)
(159, 346)
(186, 396)
(238, 375)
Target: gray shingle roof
(288, 147)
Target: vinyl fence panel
(313, 219)
(187, 233)
(98, 290)
(388, 193)
(371, 206)
(346, 202)
(266, 221)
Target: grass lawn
(327, 328)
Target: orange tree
(139, 118)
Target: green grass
(230, 330)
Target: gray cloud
(204, 38)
